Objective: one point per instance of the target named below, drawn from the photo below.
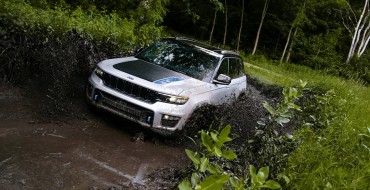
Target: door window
(236, 68)
(224, 68)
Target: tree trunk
(290, 38)
(361, 34)
(286, 44)
(213, 26)
(260, 26)
(291, 45)
(241, 26)
(226, 19)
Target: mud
(40, 148)
(76, 152)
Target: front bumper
(147, 114)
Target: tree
(241, 26)
(265, 7)
(226, 19)
(360, 31)
(299, 19)
(218, 7)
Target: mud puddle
(93, 153)
(99, 151)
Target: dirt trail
(97, 151)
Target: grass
(335, 156)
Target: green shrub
(61, 45)
(212, 168)
(331, 151)
(97, 25)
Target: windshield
(181, 58)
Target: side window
(236, 68)
(224, 68)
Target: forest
(323, 42)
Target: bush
(59, 45)
(358, 69)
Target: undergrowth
(332, 151)
(61, 45)
(216, 166)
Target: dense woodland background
(314, 33)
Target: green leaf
(185, 185)
(302, 84)
(234, 181)
(224, 135)
(271, 184)
(262, 174)
(293, 92)
(261, 123)
(214, 137)
(282, 120)
(214, 169)
(214, 182)
(193, 157)
(252, 171)
(204, 164)
(229, 154)
(194, 179)
(206, 140)
(270, 109)
(286, 178)
(294, 106)
(218, 152)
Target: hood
(149, 72)
(150, 75)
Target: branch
(345, 23)
(365, 35)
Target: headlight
(180, 100)
(99, 72)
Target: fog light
(149, 119)
(97, 96)
(169, 121)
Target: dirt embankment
(40, 148)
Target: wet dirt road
(93, 152)
(97, 151)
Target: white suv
(162, 85)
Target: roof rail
(210, 47)
(187, 39)
(229, 52)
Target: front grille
(127, 109)
(129, 88)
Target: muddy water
(78, 154)
(97, 151)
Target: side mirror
(222, 79)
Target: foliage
(99, 26)
(61, 45)
(322, 41)
(212, 167)
(208, 172)
(271, 144)
(330, 152)
(322, 110)
(258, 180)
(267, 147)
(365, 139)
